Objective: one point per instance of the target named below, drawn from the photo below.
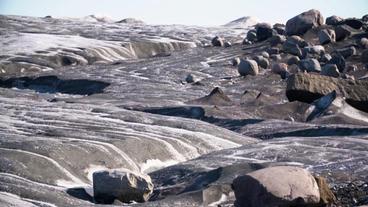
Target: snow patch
(156, 164)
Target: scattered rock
(276, 186)
(217, 41)
(319, 106)
(190, 78)
(131, 21)
(273, 50)
(216, 97)
(334, 20)
(313, 51)
(281, 69)
(338, 60)
(364, 57)
(227, 44)
(325, 58)
(310, 65)
(48, 17)
(264, 31)
(330, 70)
(265, 54)
(293, 44)
(252, 35)
(353, 23)
(326, 36)
(309, 87)
(275, 57)
(235, 61)
(301, 23)
(347, 51)
(247, 67)
(262, 61)
(124, 186)
(342, 32)
(326, 195)
(279, 28)
(363, 43)
(277, 39)
(293, 60)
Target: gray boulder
(293, 45)
(235, 61)
(330, 70)
(273, 50)
(293, 60)
(217, 41)
(363, 43)
(334, 20)
(364, 56)
(325, 58)
(347, 51)
(339, 61)
(342, 32)
(264, 31)
(252, 35)
(124, 186)
(190, 78)
(279, 28)
(310, 65)
(276, 186)
(275, 57)
(262, 61)
(265, 54)
(326, 36)
(314, 51)
(353, 23)
(277, 39)
(301, 23)
(248, 67)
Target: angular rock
(334, 20)
(310, 65)
(353, 23)
(309, 87)
(227, 44)
(264, 31)
(248, 67)
(262, 61)
(217, 41)
(347, 51)
(313, 51)
(276, 186)
(189, 78)
(124, 186)
(279, 28)
(330, 70)
(216, 97)
(342, 32)
(252, 35)
(301, 23)
(281, 69)
(338, 60)
(293, 45)
(326, 36)
(275, 57)
(273, 50)
(319, 106)
(293, 60)
(325, 58)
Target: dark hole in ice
(65, 61)
(52, 84)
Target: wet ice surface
(51, 141)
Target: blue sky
(194, 12)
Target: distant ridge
(242, 22)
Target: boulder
(330, 70)
(326, 36)
(293, 60)
(277, 39)
(262, 61)
(264, 31)
(319, 106)
(347, 51)
(265, 54)
(334, 20)
(363, 43)
(342, 32)
(293, 44)
(301, 23)
(275, 57)
(353, 23)
(124, 186)
(364, 56)
(325, 58)
(339, 61)
(281, 69)
(252, 35)
(189, 78)
(309, 87)
(248, 67)
(217, 41)
(273, 50)
(365, 18)
(313, 51)
(227, 44)
(276, 186)
(310, 65)
(279, 28)
(235, 61)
